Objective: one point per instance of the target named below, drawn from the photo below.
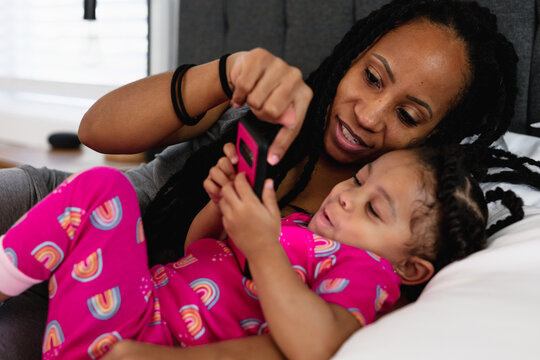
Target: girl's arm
(140, 115)
(253, 347)
(207, 224)
(301, 323)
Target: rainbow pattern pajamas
(86, 239)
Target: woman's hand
(275, 92)
(252, 225)
(222, 173)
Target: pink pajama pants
(86, 238)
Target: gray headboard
(303, 32)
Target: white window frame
(30, 124)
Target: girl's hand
(222, 173)
(252, 225)
(275, 92)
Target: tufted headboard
(303, 33)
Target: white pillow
(486, 306)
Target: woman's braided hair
(484, 108)
(454, 225)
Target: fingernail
(236, 105)
(273, 159)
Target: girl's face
(373, 210)
(396, 92)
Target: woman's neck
(326, 174)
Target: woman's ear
(415, 270)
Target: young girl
(394, 222)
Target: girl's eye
(357, 181)
(371, 209)
(406, 118)
(372, 79)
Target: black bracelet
(176, 97)
(223, 76)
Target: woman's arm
(302, 324)
(140, 115)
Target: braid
(512, 202)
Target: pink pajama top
(222, 304)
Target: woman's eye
(357, 181)
(406, 118)
(372, 79)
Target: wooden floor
(66, 160)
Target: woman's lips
(349, 139)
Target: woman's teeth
(350, 137)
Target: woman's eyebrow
(421, 103)
(386, 66)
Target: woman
(411, 72)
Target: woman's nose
(370, 115)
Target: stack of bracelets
(176, 92)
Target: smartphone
(252, 143)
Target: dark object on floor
(64, 141)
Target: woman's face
(396, 92)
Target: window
(54, 64)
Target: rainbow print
(324, 265)
(53, 286)
(380, 298)
(20, 220)
(191, 316)
(301, 272)
(54, 336)
(12, 255)
(324, 247)
(105, 305)
(48, 254)
(227, 250)
(263, 329)
(108, 215)
(140, 232)
(373, 255)
(185, 261)
(70, 220)
(207, 290)
(332, 286)
(358, 315)
(159, 277)
(251, 326)
(103, 344)
(251, 289)
(156, 315)
(89, 269)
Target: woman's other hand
(275, 92)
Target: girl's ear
(415, 270)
